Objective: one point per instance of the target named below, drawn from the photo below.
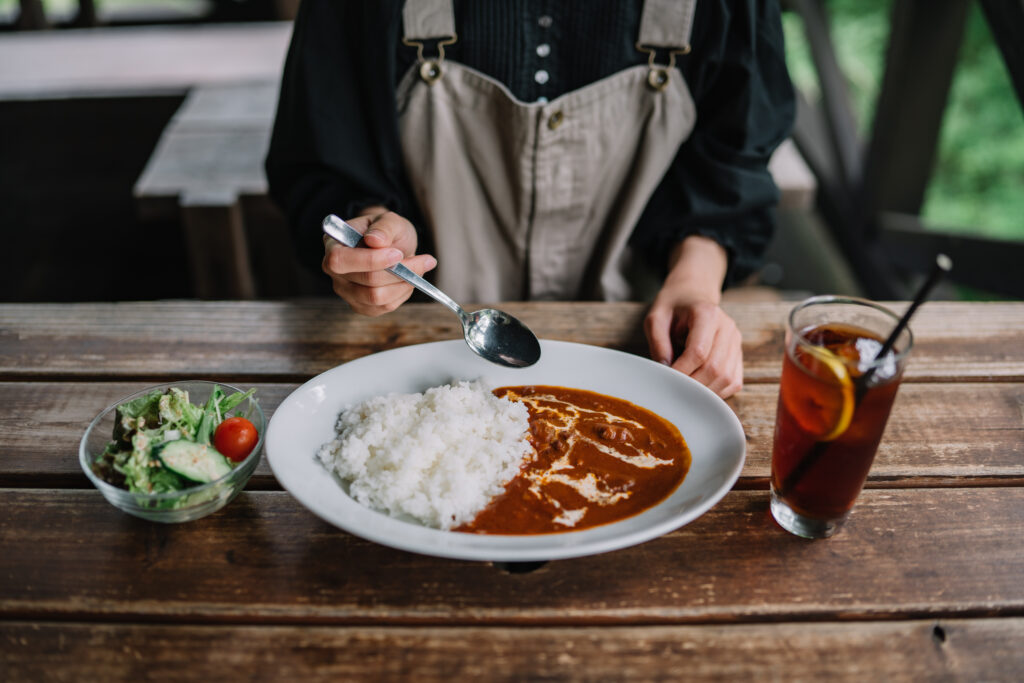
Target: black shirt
(335, 144)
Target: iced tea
(834, 401)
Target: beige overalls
(537, 200)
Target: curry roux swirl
(597, 459)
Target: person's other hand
(686, 319)
(358, 274)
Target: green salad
(162, 442)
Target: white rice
(439, 456)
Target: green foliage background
(977, 186)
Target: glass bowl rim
(85, 461)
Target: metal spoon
(492, 334)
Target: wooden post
(842, 125)
(923, 45)
(1006, 20)
(32, 16)
(826, 135)
(217, 246)
(86, 17)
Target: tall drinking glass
(834, 400)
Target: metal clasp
(430, 69)
(658, 75)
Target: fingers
(419, 264)
(373, 301)
(342, 260)
(658, 330)
(380, 292)
(359, 274)
(700, 338)
(722, 372)
(714, 351)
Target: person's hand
(358, 274)
(686, 319)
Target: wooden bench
(209, 157)
(216, 141)
(137, 61)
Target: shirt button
(541, 76)
(542, 99)
(543, 50)
(545, 21)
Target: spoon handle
(343, 232)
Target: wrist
(698, 264)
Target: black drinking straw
(943, 264)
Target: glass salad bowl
(161, 493)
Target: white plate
(306, 419)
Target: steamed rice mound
(439, 456)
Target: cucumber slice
(196, 462)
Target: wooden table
(925, 581)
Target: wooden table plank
(981, 649)
(131, 61)
(218, 164)
(292, 341)
(259, 340)
(939, 434)
(250, 105)
(218, 137)
(912, 553)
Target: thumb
(385, 230)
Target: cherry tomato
(235, 438)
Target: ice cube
(868, 349)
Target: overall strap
(665, 25)
(424, 20)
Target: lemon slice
(843, 408)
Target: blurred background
(132, 134)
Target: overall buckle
(658, 75)
(430, 69)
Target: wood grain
(292, 341)
(938, 434)
(910, 553)
(982, 649)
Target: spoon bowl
(501, 338)
(492, 334)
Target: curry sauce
(598, 459)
